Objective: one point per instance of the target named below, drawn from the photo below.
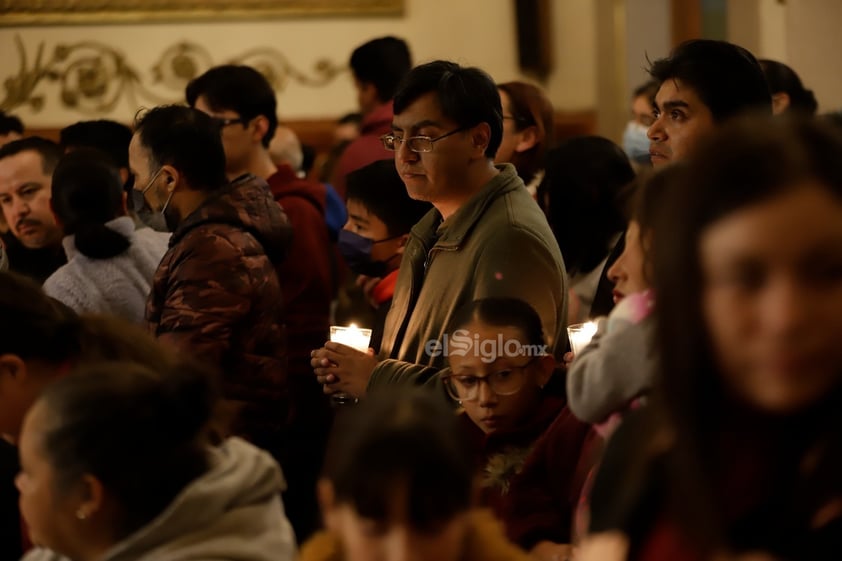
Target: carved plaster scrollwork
(94, 78)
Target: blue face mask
(636, 143)
(356, 250)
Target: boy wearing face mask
(380, 216)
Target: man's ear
(528, 139)
(171, 177)
(481, 138)
(13, 366)
(402, 241)
(259, 127)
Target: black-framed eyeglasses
(223, 122)
(419, 144)
(507, 381)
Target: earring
(81, 514)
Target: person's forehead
(23, 166)
(204, 106)
(426, 108)
(674, 90)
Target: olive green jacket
(498, 244)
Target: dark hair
(141, 432)
(646, 200)
(34, 326)
(502, 312)
(49, 151)
(738, 166)
(581, 194)
(10, 123)
(110, 137)
(382, 62)
(87, 193)
(379, 188)
(530, 107)
(186, 139)
(241, 89)
(649, 89)
(727, 78)
(401, 436)
(467, 96)
(783, 79)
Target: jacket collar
(451, 232)
(123, 225)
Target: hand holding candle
(351, 336)
(580, 335)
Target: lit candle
(580, 335)
(351, 336)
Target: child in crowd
(619, 363)
(380, 216)
(534, 453)
(398, 485)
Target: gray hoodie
(231, 513)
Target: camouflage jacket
(216, 295)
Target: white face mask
(636, 143)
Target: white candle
(580, 335)
(352, 336)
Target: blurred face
(511, 137)
(479, 372)
(628, 271)
(773, 298)
(438, 175)
(641, 110)
(367, 99)
(396, 539)
(367, 225)
(681, 119)
(25, 192)
(239, 139)
(49, 513)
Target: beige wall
(814, 48)
(475, 32)
(801, 33)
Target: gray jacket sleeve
(616, 367)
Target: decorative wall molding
(94, 77)
(41, 12)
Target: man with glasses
(485, 237)
(243, 104)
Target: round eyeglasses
(419, 144)
(507, 381)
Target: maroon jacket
(306, 277)
(367, 148)
(216, 296)
(532, 476)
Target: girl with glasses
(533, 452)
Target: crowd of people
(169, 388)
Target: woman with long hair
(741, 452)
